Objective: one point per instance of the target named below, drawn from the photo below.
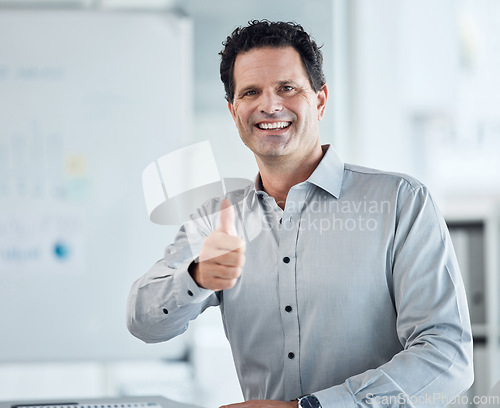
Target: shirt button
(291, 356)
(165, 311)
(281, 220)
(190, 293)
(286, 259)
(288, 309)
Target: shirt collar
(328, 174)
(259, 188)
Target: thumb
(227, 218)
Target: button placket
(287, 286)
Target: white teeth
(274, 125)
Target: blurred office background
(92, 91)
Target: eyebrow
(287, 82)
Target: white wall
(424, 91)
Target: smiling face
(275, 109)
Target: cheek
(306, 99)
(302, 112)
(302, 106)
(240, 112)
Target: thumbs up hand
(222, 255)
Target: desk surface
(121, 402)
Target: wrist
(193, 271)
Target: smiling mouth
(273, 125)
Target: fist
(222, 255)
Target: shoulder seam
(412, 182)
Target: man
(345, 291)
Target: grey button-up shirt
(352, 292)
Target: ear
(231, 109)
(322, 97)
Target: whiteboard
(87, 101)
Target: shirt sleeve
(433, 322)
(163, 301)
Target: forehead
(268, 64)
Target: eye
(251, 92)
(287, 88)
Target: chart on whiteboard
(35, 174)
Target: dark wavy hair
(265, 33)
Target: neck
(278, 178)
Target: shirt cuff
(186, 289)
(335, 397)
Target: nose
(270, 102)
